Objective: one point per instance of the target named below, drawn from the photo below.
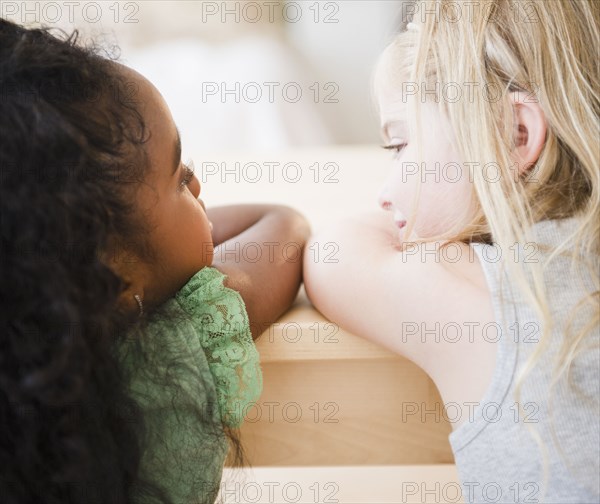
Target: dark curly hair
(69, 431)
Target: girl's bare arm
(374, 290)
(259, 248)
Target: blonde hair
(548, 50)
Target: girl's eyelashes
(188, 174)
(395, 147)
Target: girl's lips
(400, 223)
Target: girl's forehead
(396, 121)
(393, 108)
(141, 92)
(157, 118)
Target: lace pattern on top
(219, 316)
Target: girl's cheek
(405, 185)
(443, 206)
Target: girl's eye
(188, 174)
(395, 147)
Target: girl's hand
(260, 249)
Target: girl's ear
(529, 130)
(127, 301)
(127, 266)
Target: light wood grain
(303, 334)
(342, 402)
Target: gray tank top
(497, 459)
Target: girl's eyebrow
(384, 130)
(387, 124)
(177, 151)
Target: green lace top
(193, 372)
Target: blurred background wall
(244, 75)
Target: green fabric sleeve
(219, 318)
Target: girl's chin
(401, 241)
(402, 234)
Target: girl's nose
(384, 201)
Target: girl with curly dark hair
(128, 313)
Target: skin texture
(181, 234)
(445, 194)
(445, 197)
(402, 295)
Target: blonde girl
(486, 274)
